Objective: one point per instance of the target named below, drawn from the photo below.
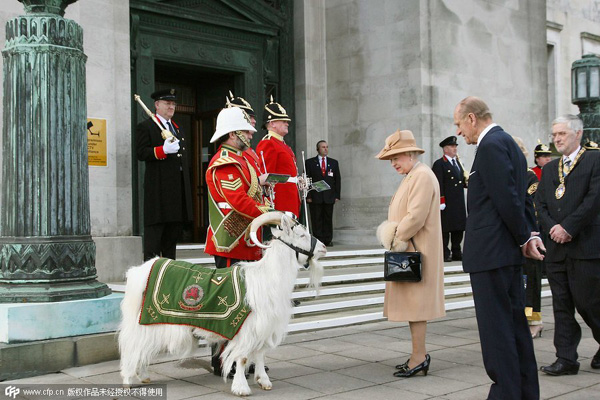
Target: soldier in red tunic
(235, 194)
(279, 157)
(249, 153)
(543, 156)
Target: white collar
(448, 157)
(164, 121)
(572, 155)
(321, 158)
(484, 132)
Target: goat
(269, 286)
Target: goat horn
(273, 217)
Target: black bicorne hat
(239, 102)
(165, 94)
(450, 140)
(274, 112)
(542, 150)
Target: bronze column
(46, 250)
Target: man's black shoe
(447, 259)
(251, 368)
(596, 360)
(457, 257)
(559, 368)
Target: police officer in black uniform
(167, 190)
(451, 176)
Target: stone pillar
(46, 250)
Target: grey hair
(573, 122)
(414, 154)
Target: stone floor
(357, 363)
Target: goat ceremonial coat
(235, 199)
(415, 207)
(280, 159)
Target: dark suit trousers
(575, 285)
(321, 218)
(457, 237)
(161, 239)
(506, 343)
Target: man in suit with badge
(451, 176)
(568, 205)
(167, 190)
(496, 238)
(323, 168)
(543, 156)
(279, 157)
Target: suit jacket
(332, 177)
(452, 193)
(496, 224)
(167, 179)
(578, 211)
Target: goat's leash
(309, 253)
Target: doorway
(201, 95)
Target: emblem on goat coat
(192, 296)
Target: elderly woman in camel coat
(414, 213)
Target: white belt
(224, 206)
(292, 179)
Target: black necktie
(455, 165)
(171, 128)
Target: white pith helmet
(231, 120)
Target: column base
(52, 292)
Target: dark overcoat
(167, 190)
(577, 211)
(452, 193)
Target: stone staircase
(352, 289)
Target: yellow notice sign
(96, 134)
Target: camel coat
(416, 208)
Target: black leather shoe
(596, 360)
(252, 367)
(559, 368)
(403, 366)
(447, 259)
(457, 257)
(407, 373)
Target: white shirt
(164, 121)
(572, 155)
(485, 131)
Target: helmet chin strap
(243, 138)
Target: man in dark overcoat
(568, 206)
(451, 176)
(497, 236)
(323, 168)
(167, 190)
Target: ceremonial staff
(465, 173)
(304, 186)
(166, 134)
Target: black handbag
(402, 266)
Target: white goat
(269, 286)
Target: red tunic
(280, 159)
(538, 172)
(229, 178)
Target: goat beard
(315, 275)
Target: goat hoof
(241, 390)
(265, 384)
